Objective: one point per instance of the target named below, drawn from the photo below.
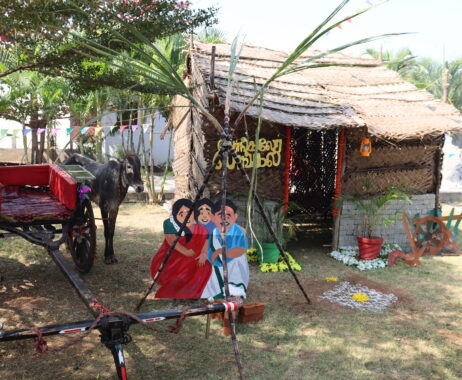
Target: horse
(109, 189)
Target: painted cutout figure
(187, 271)
(236, 248)
(204, 215)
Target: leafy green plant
(284, 225)
(370, 211)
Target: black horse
(109, 188)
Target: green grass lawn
(420, 337)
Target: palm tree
(34, 100)
(212, 36)
(403, 61)
(425, 73)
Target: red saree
(181, 276)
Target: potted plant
(284, 226)
(370, 212)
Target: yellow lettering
(269, 153)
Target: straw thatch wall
(412, 164)
(189, 164)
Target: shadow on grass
(294, 340)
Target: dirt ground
(418, 337)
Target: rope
(41, 347)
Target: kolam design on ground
(346, 294)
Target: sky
(282, 24)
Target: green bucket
(270, 253)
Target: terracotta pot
(369, 248)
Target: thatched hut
(313, 125)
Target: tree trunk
(41, 146)
(24, 143)
(150, 165)
(99, 137)
(160, 196)
(34, 123)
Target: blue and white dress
(238, 268)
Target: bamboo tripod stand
(226, 150)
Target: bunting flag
(339, 26)
(80, 129)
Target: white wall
(160, 149)
(452, 164)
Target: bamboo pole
(445, 80)
(337, 211)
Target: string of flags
(368, 3)
(79, 129)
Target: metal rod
(117, 352)
(150, 317)
(268, 224)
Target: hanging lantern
(366, 147)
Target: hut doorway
(313, 169)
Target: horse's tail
(78, 159)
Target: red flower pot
(369, 249)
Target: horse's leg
(105, 217)
(110, 237)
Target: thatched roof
(328, 97)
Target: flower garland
(280, 266)
(350, 256)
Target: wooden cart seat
(23, 204)
(54, 198)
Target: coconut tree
(402, 61)
(211, 35)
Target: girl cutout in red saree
(187, 270)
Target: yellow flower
(360, 297)
(331, 279)
(264, 268)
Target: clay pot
(369, 248)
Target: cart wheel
(82, 239)
(431, 233)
